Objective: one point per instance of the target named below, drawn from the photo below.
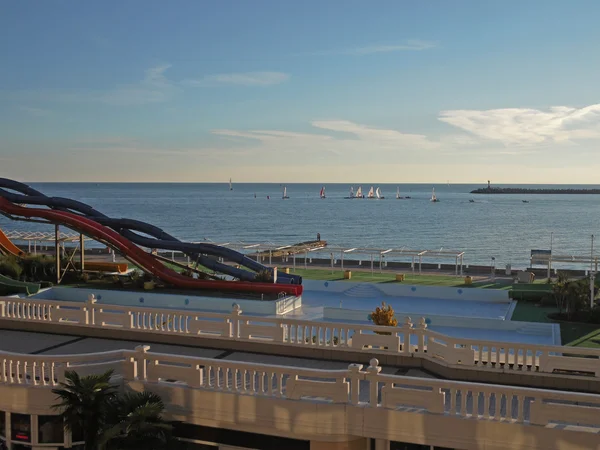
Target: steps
(364, 290)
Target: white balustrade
(352, 386)
(407, 339)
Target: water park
(142, 266)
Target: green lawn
(386, 277)
(590, 340)
(578, 334)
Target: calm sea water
(496, 225)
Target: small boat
(378, 194)
(351, 192)
(359, 193)
(322, 193)
(525, 201)
(371, 193)
(398, 196)
(284, 196)
(471, 201)
(230, 185)
(433, 197)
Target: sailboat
(322, 193)
(359, 193)
(378, 194)
(371, 193)
(230, 185)
(284, 196)
(433, 197)
(351, 192)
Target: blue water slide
(129, 228)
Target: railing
(353, 386)
(407, 340)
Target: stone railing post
(2, 309)
(355, 375)
(90, 310)
(234, 328)
(140, 365)
(422, 331)
(373, 378)
(407, 329)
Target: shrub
(10, 267)
(264, 275)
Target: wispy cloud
(407, 46)
(352, 140)
(36, 112)
(153, 88)
(524, 126)
(239, 79)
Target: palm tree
(84, 404)
(136, 423)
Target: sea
(502, 227)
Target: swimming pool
(410, 300)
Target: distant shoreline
(497, 190)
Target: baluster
(262, 382)
(270, 379)
(497, 405)
(244, 377)
(253, 382)
(452, 401)
(486, 405)
(521, 407)
(279, 391)
(488, 359)
(43, 373)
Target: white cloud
(520, 126)
(351, 141)
(239, 79)
(36, 112)
(409, 45)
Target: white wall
(181, 302)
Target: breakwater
(499, 190)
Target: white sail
(284, 192)
(230, 185)
(398, 192)
(371, 193)
(378, 193)
(433, 197)
(322, 193)
(359, 193)
(351, 191)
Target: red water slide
(140, 257)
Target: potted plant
(148, 281)
(384, 315)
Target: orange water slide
(6, 246)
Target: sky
(306, 91)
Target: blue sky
(385, 91)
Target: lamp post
(493, 268)
(550, 257)
(592, 274)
